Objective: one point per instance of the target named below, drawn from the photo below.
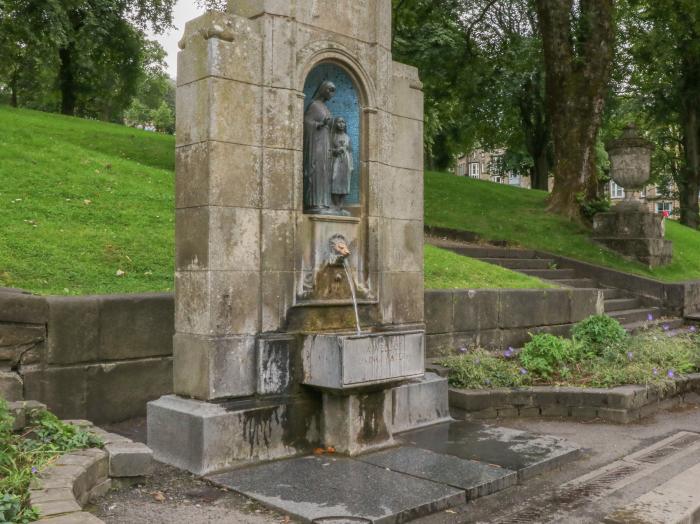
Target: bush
(546, 354)
(597, 333)
(480, 369)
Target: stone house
(652, 197)
(488, 165)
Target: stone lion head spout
(339, 250)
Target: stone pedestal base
(205, 437)
(353, 424)
(636, 234)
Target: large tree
(663, 39)
(578, 41)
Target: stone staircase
(620, 304)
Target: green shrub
(597, 333)
(480, 369)
(546, 354)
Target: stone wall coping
(64, 487)
(622, 404)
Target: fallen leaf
(87, 202)
(120, 273)
(318, 451)
(330, 449)
(159, 496)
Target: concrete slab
(516, 450)
(476, 478)
(320, 489)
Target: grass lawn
(81, 201)
(447, 270)
(87, 207)
(500, 212)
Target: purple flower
(650, 317)
(630, 355)
(508, 353)
(34, 470)
(523, 371)
(463, 350)
(671, 373)
(666, 327)
(654, 371)
(692, 329)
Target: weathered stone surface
(344, 362)
(11, 386)
(16, 339)
(476, 310)
(74, 329)
(63, 390)
(80, 517)
(275, 358)
(23, 308)
(269, 431)
(225, 366)
(56, 507)
(439, 305)
(419, 403)
(129, 459)
(119, 391)
(476, 478)
(516, 450)
(313, 488)
(135, 326)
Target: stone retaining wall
(498, 318)
(96, 357)
(622, 405)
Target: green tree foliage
(90, 55)
(662, 74)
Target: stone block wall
(96, 357)
(498, 318)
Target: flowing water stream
(351, 282)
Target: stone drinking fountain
(629, 228)
(299, 239)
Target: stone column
(218, 208)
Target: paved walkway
(173, 496)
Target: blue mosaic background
(345, 103)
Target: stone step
(612, 292)
(521, 263)
(636, 327)
(575, 282)
(618, 304)
(489, 251)
(629, 316)
(550, 274)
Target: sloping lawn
(447, 270)
(81, 202)
(500, 212)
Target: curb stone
(621, 405)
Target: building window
(514, 180)
(616, 191)
(497, 179)
(664, 206)
(474, 169)
(496, 166)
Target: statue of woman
(317, 152)
(341, 166)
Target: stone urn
(630, 164)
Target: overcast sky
(184, 11)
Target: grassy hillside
(81, 201)
(500, 212)
(87, 207)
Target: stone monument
(629, 228)
(299, 238)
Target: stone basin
(345, 362)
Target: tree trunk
(690, 184)
(576, 85)
(540, 171)
(66, 80)
(13, 90)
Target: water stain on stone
(373, 426)
(258, 425)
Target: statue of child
(342, 166)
